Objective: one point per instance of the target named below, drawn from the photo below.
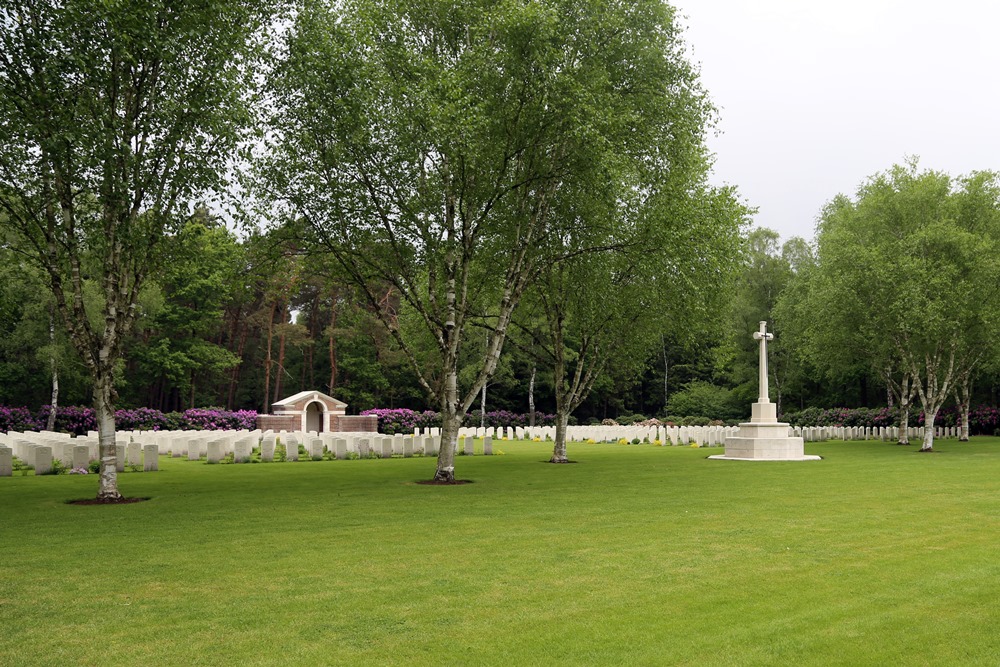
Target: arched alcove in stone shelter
(314, 417)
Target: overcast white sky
(815, 96)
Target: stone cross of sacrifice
(763, 337)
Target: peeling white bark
(54, 400)
(531, 398)
(559, 449)
(105, 411)
(451, 420)
(928, 443)
(964, 406)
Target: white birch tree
(606, 311)
(113, 117)
(424, 144)
(917, 250)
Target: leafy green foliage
(703, 399)
(910, 264)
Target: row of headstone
(42, 449)
(214, 446)
(142, 447)
(685, 435)
(881, 433)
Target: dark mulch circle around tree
(558, 462)
(105, 501)
(438, 482)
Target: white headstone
(214, 451)
(81, 456)
(6, 461)
(340, 448)
(133, 453)
(316, 449)
(241, 451)
(150, 458)
(487, 446)
(267, 449)
(43, 459)
(291, 447)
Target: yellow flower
(695, 444)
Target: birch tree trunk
(50, 424)
(933, 388)
(928, 442)
(105, 411)
(531, 398)
(482, 409)
(559, 449)
(451, 420)
(964, 407)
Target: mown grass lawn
(636, 555)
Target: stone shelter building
(314, 411)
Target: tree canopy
(449, 151)
(114, 116)
(908, 274)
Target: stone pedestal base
(763, 413)
(764, 438)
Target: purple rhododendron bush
(78, 420)
(403, 420)
(983, 419)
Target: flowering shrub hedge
(79, 420)
(215, 419)
(873, 417)
(501, 418)
(69, 419)
(17, 419)
(140, 419)
(983, 419)
(402, 420)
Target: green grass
(637, 555)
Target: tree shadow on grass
(106, 501)
(437, 482)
